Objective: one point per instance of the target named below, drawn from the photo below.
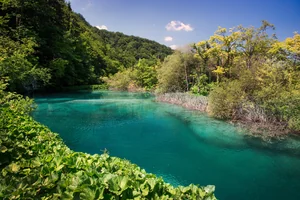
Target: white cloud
(178, 26)
(102, 27)
(173, 46)
(168, 39)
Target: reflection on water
(180, 145)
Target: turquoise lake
(180, 145)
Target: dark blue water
(181, 146)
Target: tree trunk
(186, 77)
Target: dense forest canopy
(44, 43)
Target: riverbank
(186, 100)
(261, 128)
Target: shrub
(225, 100)
(294, 123)
(202, 86)
(120, 80)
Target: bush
(141, 77)
(294, 123)
(202, 87)
(285, 105)
(120, 80)
(225, 100)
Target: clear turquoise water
(181, 146)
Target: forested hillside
(44, 43)
(129, 49)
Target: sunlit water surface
(180, 145)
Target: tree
(224, 47)
(18, 62)
(175, 72)
(255, 42)
(202, 52)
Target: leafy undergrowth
(36, 164)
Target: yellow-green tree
(224, 47)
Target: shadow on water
(85, 95)
(69, 95)
(275, 146)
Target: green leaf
(4, 172)
(114, 184)
(123, 183)
(87, 193)
(99, 193)
(14, 167)
(67, 195)
(145, 189)
(209, 189)
(152, 182)
(3, 149)
(58, 168)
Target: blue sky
(181, 22)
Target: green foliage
(56, 47)
(19, 64)
(129, 49)
(294, 122)
(14, 101)
(248, 74)
(272, 90)
(175, 73)
(145, 75)
(202, 87)
(170, 74)
(36, 164)
(120, 80)
(142, 76)
(226, 99)
(278, 91)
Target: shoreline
(191, 102)
(264, 130)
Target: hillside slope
(56, 47)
